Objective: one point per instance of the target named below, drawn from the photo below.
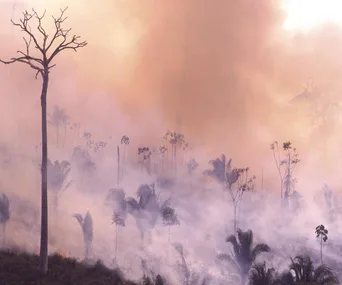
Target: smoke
(222, 73)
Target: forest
(115, 211)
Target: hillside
(18, 268)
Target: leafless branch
(42, 65)
(74, 43)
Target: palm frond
(233, 241)
(79, 219)
(261, 275)
(259, 248)
(324, 275)
(133, 205)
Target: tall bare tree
(46, 51)
(285, 166)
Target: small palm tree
(244, 252)
(116, 197)
(58, 173)
(57, 119)
(192, 165)
(305, 273)
(125, 141)
(169, 219)
(322, 233)
(261, 275)
(219, 169)
(176, 139)
(86, 224)
(4, 214)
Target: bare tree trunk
(65, 134)
(57, 133)
(4, 233)
(44, 194)
(321, 250)
(149, 165)
(175, 159)
(87, 249)
(118, 159)
(235, 218)
(123, 162)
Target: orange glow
(307, 14)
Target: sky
(222, 73)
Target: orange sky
(224, 71)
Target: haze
(222, 73)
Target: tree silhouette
(244, 184)
(86, 224)
(328, 197)
(184, 265)
(48, 49)
(285, 167)
(58, 174)
(162, 150)
(125, 141)
(145, 210)
(235, 181)
(169, 219)
(192, 165)
(175, 139)
(119, 207)
(83, 160)
(5, 214)
(244, 253)
(261, 275)
(322, 233)
(304, 272)
(57, 119)
(145, 154)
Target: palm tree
(169, 219)
(125, 142)
(145, 210)
(83, 161)
(244, 253)
(261, 275)
(57, 119)
(175, 139)
(86, 224)
(117, 200)
(228, 176)
(219, 169)
(322, 233)
(223, 172)
(304, 272)
(58, 173)
(4, 214)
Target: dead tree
(47, 49)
